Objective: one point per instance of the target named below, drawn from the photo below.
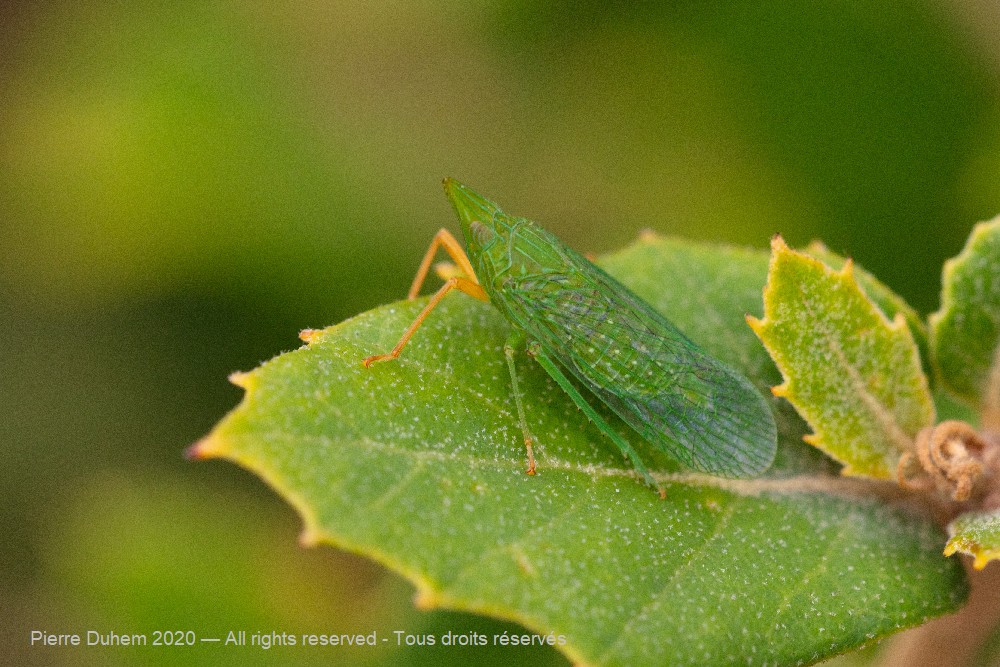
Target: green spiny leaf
(418, 464)
(965, 332)
(976, 534)
(850, 372)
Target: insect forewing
(685, 402)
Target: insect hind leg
(461, 284)
(515, 341)
(556, 374)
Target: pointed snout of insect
(456, 191)
(468, 205)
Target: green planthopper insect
(578, 321)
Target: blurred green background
(185, 185)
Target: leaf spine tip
(425, 599)
(201, 450)
(848, 270)
(811, 439)
(984, 226)
(240, 378)
(194, 453)
(780, 390)
(648, 235)
(309, 336)
(309, 537)
(756, 323)
(778, 244)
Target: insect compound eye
(481, 233)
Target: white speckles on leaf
(418, 463)
(976, 534)
(854, 375)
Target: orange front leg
(466, 283)
(443, 239)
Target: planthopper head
(500, 246)
(483, 223)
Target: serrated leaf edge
(981, 555)
(990, 409)
(786, 389)
(429, 593)
(877, 292)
